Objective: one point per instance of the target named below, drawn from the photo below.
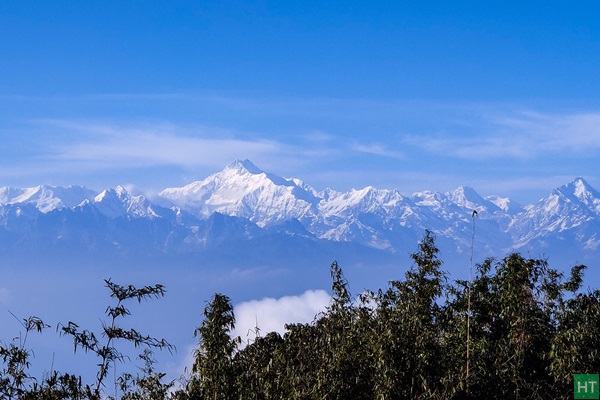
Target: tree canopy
(519, 329)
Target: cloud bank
(270, 315)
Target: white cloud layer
(497, 134)
(519, 135)
(270, 314)
(378, 149)
(337, 143)
(157, 145)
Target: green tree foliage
(530, 330)
(145, 386)
(17, 383)
(104, 345)
(408, 337)
(213, 370)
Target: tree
(518, 308)
(148, 385)
(531, 330)
(14, 377)
(409, 345)
(344, 369)
(104, 345)
(213, 371)
(17, 383)
(256, 369)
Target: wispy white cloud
(270, 315)
(340, 143)
(520, 135)
(97, 147)
(473, 148)
(470, 132)
(576, 133)
(378, 149)
(120, 146)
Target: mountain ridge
(287, 211)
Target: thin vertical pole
(469, 300)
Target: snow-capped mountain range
(243, 214)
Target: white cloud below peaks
(270, 315)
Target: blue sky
(500, 96)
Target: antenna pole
(469, 300)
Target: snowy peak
(581, 187)
(505, 204)
(244, 190)
(196, 194)
(371, 216)
(361, 201)
(243, 166)
(118, 194)
(243, 202)
(581, 191)
(7, 194)
(242, 169)
(427, 198)
(569, 209)
(239, 170)
(384, 219)
(46, 198)
(117, 202)
(577, 196)
(467, 197)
